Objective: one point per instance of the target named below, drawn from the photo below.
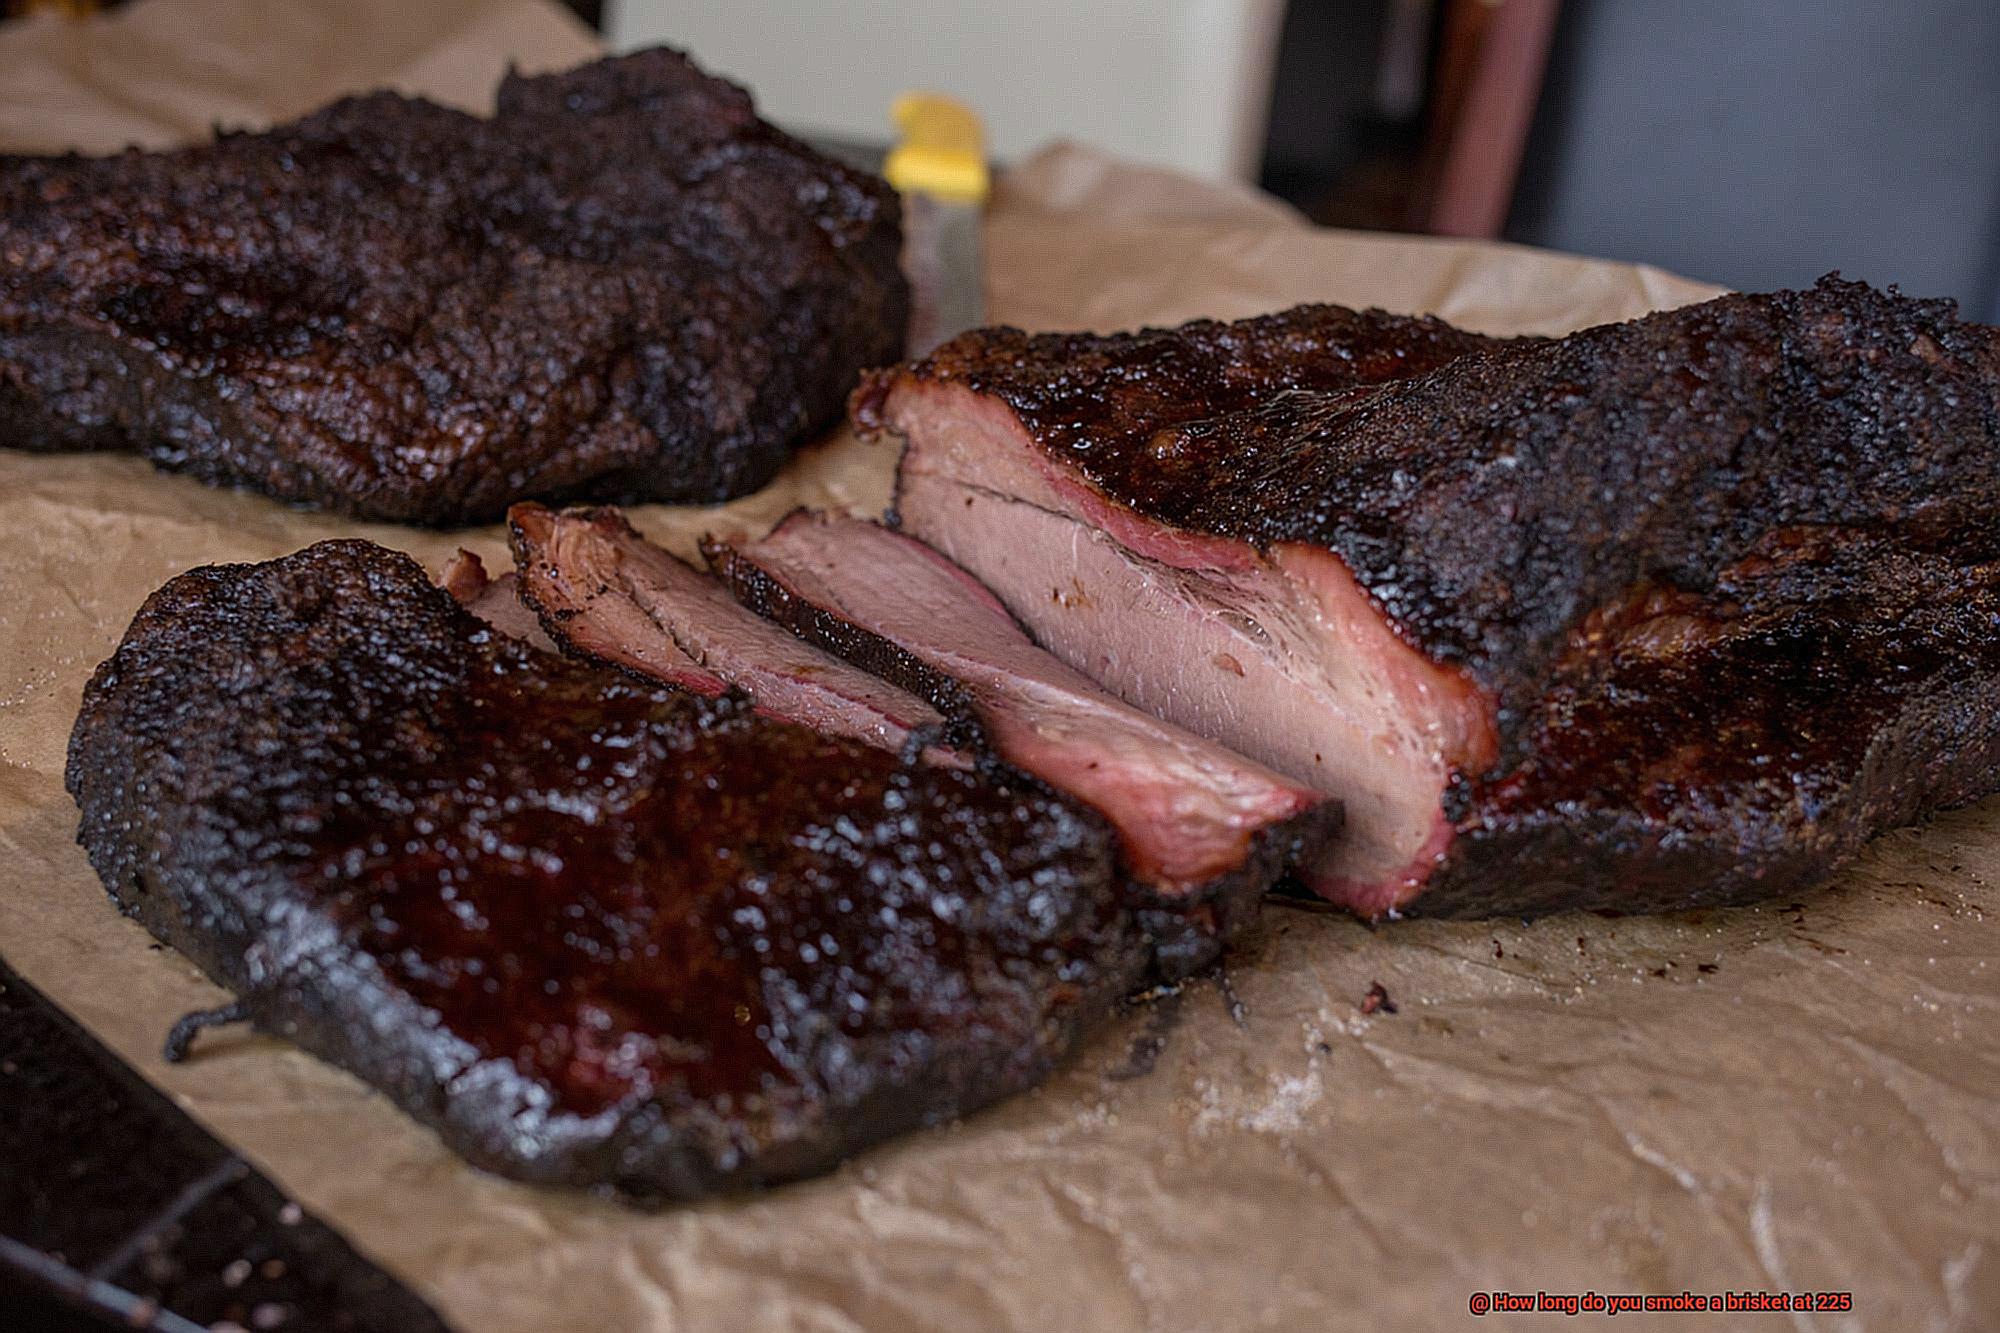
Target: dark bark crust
(1727, 572)
(1746, 742)
(595, 933)
(622, 285)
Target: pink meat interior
(618, 597)
(497, 601)
(1185, 808)
(1278, 655)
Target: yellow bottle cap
(942, 152)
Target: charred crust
(280, 761)
(1725, 574)
(524, 321)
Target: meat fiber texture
(1664, 613)
(591, 582)
(1204, 832)
(622, 284)
(595, 932)
(1694, 1100)
(875, 637)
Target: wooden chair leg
(1488, 79)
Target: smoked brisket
(595, 931)
(1203, 831)
(623, 284)
(605, 593)
(1674, 611)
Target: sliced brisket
(595, 931)
(622, 284)
(495, 601)
(608, 594)
(1665, 612)
(1203, 829)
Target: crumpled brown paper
(1799, 1096)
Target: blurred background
(1757, 143)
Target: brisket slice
(595, 931)
(1675, 611)
(606, 593)
(495, 601)
(1203, 831)
(622, 284)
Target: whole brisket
(1675, 611)
(596, 932)
(623, 284)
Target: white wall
(1180, 83)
